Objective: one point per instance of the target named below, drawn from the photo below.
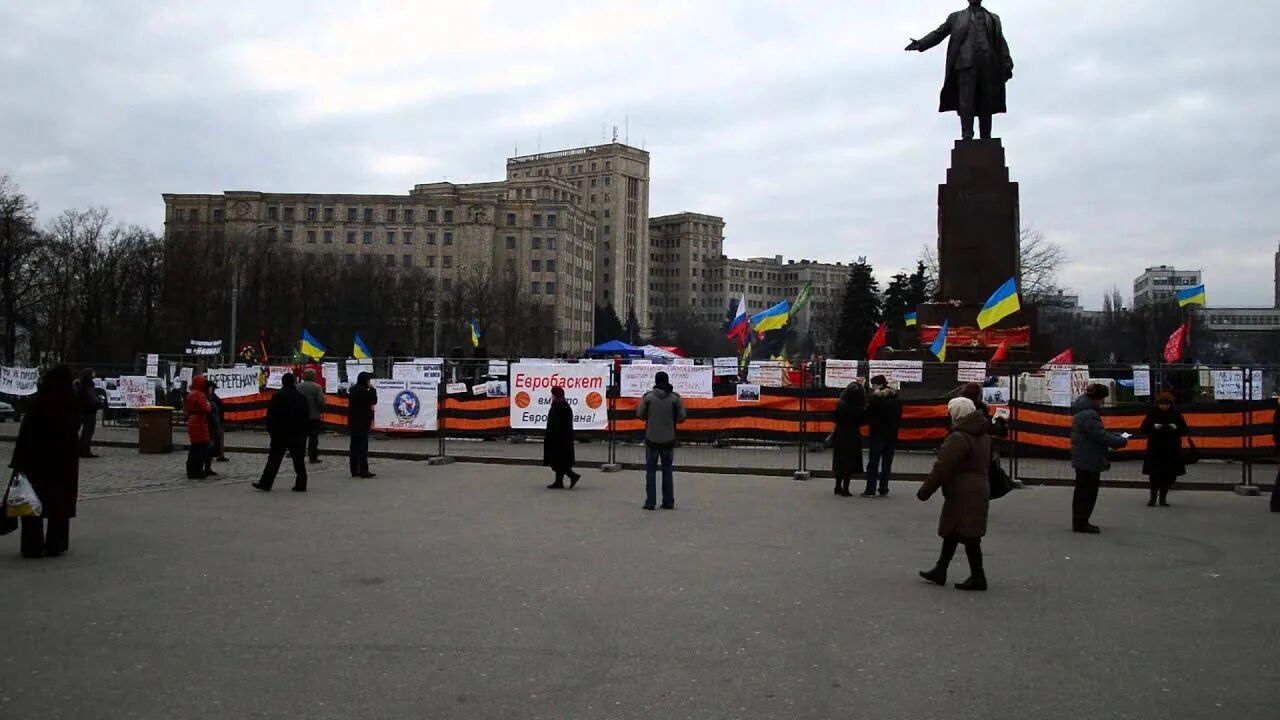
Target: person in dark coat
(846, 439)
(361, 399)
(198, 408)
(961, 473)
(218, 435)
(287, 422)
(87, 404)
(1090, 443)
(884, 416)
(1163, 463)
(557, 444)
(45, 453)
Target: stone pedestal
(978, 224)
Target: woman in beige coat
(961, 471)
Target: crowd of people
(57, 431)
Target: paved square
(470, 591)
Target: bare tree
(1039, 260)
(20, 242)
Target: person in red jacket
(198, 409)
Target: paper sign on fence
(969, 371)
(1142, 381)
(234, 382)
(329, 371)
(455, 389)
(690, 381)
(748, 393)
(725, 366)
(585, 387)
(424, 369)
(18, 381)
(840, 373)
(1228, 384)
(274, 374)
(898, 370)
(766, 373)
(1059, 388)
(153, 365)
(498, 368)
(136, 391)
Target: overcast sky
(1142, 132)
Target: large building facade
(1157, 284)
(612, 182)
(532, 232)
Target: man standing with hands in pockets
(661, 409)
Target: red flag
(1001, 353)
(877, 342)
(1063, 358)
(1177, 344)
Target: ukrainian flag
(910, 319)
(475, 334)
(1001, 305)
(359, 350)
(310, 346)
(1191, 296)
(939, 347)
(775, 318)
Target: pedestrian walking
(846, 438)
(287, 426)
(361, 400)
(197, 408)
(884, 416)
(45, 453)
(662, 410)
(314, 394)
(557, 443)
(1163, 462)
(960, 471)
(1090, 443)
(88, 404)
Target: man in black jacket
(360, 403)
(287, 420)
(884, 415)
(87, 404)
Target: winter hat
(959, 408)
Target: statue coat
(956, 28)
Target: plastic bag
(20, 500)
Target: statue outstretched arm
(932, 38)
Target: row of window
(537, 287)
(573, 169)
(193, 214)
(537, 220)
(406, 236)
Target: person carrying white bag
(46, 468)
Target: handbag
(1190, 454)
(1001, 483)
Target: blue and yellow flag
(939, 347)
(775, 318)
(310, 346)
(910, 319)
(1001, 305)
(1191, 296)
(475, 333)
(359, 350)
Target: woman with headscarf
(961, 472)
(198, 409)
(846, 439)
(557, 444)
(46, 453)
(1163, 463)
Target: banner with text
(204, 347)
(691, 381)
(898, 370)
(766, 373)
(136, 391)
(423, 369)
(726, 366)
(584, 388)
(840, 373)
(406, 405)
(18, 381)
(234, 382)
(1017, 337)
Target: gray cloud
(1141, 132)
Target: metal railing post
(802, 471)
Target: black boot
(977, 576)
(844, 488)
(1152, 501)
(839, 486)
(938, 575)
(573, 480)
(1164, 497)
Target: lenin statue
(978, 65)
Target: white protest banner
(274, 373)
(329, 371)
(405, 405)
(424, 369)
(153, 365)
(840, 373)
(355, 367)
(725, 366)
(1079, 382)
(1059, 388)
(969, 371)
(136, 391)
(748, 393)
(682, 361)
(584, 388)
(767, 373)
(18, 381)
(186, 375)
(1228, 384)
(498, 368)
(691, 381)
(1142, 381)
(234, 382)
(1255, 385)
(455, 389)
(898, 370)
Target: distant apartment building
(767, 281)
(1277, 278)
(685, 254)
(532, 231)
(1157, 284)
(1242, 319)
(612, 181)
